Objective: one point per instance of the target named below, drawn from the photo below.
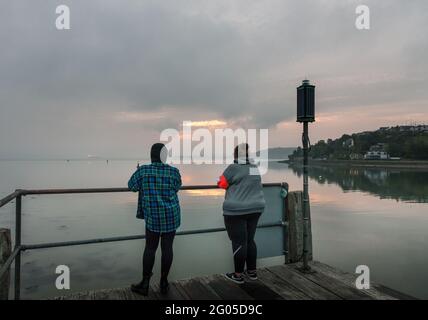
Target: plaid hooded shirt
(157, 184)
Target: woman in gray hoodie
(243, 204)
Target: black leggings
(152, 243)
(241, 230)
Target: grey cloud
(240, 62)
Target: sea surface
(374, 217)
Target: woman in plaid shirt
(157, 184)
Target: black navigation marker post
(305, 114)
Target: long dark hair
(237, 153)
(155, 152)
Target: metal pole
(285, 232)
(17, 245)
(305, 197)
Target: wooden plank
(5, 252)
(349, 279)
(120, 294)
(129, 295)
(173, 293)
(283, 288)
(393, 293)
(278, 282)
(85, 295)
(100, 295)
(336, 286)
(135, 296)
(88, 295)
(181, 290)
(259, 291)
(154, 292)
(207, 287)
(115, 294)
(307, 286)
(197, 290)
(226, 289)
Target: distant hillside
(406, 142)
(280, 153)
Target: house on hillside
(405, 128)
(416, 128)
(422, 128)
(376, 155)
(377, 152)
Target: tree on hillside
(407, 144)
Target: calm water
(376, 217)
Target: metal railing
(15, 256)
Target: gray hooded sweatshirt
(245, 192)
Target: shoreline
(394, 164)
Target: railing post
(5, 252)
(18, 244)
(285, 232)
(295, 218)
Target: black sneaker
(233, 277)
(252, 275)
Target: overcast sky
(129, 69)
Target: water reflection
(348, 228)
(399, 184)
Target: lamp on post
(305, 114)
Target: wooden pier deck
(283, 282)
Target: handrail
(9, 198)
(107, 190)
(9, 260)
(134, 237)
(19, 193)
(25, 192)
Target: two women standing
(158, 184)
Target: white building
(376, 155)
